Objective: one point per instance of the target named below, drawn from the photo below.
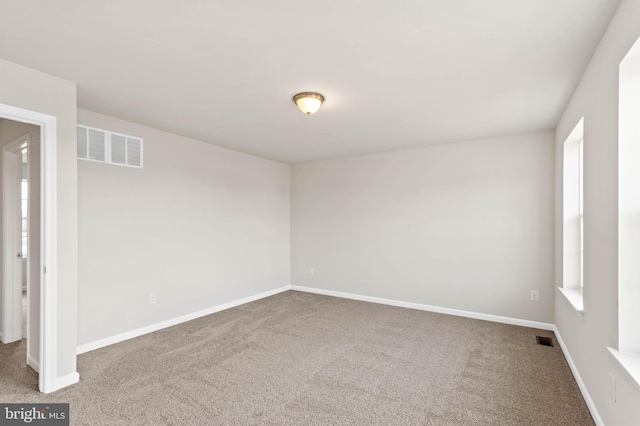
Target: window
(109, 147)
(24, 203)
(581, 207)
(628, 351)
(573, 217)
(24, 195)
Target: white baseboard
(74, 378)
(33, 364)
(175, 321)
(68, 380)
(429, 308)
(87, 347)
(583, 388)
(487, 317)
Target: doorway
(42, 287)
(19, 295)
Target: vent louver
(82, 143)
(118, 149)
(134, 152)
(97, 145)
(108, 147)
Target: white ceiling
(394, 74)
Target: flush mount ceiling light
(308, 102)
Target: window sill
(630, 363)
(574, 296)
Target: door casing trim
(47, 377)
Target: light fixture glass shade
(308, 102)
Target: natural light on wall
(628, 351)
(573, 218)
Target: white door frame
(12, 241)
(48, 248)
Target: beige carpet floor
(304, 359)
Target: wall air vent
(109, 147)
(544, 341)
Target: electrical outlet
(312, 271)
(535, 296)
(612, 387)
(153, 298)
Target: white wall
(199, 226)
(10, 131)
(596, 98)
(26, 88)
(466, 226)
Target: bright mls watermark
(34, 414)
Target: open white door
(12, 242)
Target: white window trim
(630, 363)
(627, 353)
(572, 285)
(575, 297)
